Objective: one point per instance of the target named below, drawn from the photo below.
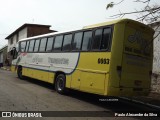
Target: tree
(149, 14)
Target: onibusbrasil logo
(21, 114)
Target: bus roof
(46, 35)
(103, 23)
(91, 26)
(117, 21)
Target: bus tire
(60, 83)
(19, 73)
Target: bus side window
(49, 44)
(97, 39)
(87, 40)
(58, 43)
(22, 46)
(27, 46)
(76, 45)
(31, 45)
(42, 47)
(67, 42)
(106, 38)
(36, 46)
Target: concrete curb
(142, 102)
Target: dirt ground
(32, 95)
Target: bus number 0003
(103, 61)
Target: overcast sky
(60, 14)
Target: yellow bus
(111, 58)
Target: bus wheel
(60, 83)
(19, 73)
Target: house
(3, 56)
(156, 49)
(24, 31)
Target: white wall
(22, 34)
(156, 49)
